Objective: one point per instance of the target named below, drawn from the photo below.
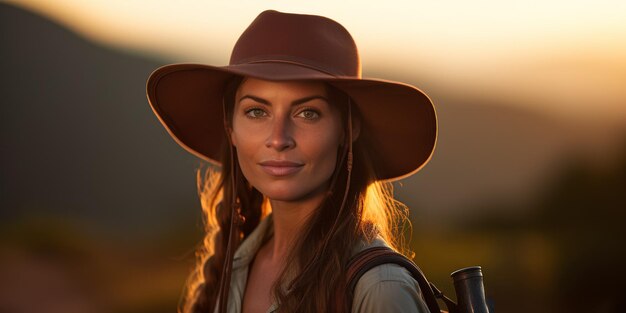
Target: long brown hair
(324, 246)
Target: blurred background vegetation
(98, 206)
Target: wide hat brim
(399, 119)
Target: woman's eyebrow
(255, 98)
(293, 103)
(307, 99)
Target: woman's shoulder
(390, 273)
(387, 288)
(383, 272)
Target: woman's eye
(309, 114)
(255, 113)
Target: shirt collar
(249, 247)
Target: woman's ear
(356, 128)
(230, 134)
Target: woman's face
(287, 136)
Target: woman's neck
(289, 219)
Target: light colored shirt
(384, 288)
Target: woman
(297, 132)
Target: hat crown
(308, 40)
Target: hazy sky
(564, 57)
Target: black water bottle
(470, 291)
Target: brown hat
(400, 119)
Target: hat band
(296, 61)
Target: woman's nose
(280, 137)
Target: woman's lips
(280, 168)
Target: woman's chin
(287, 194)
(283, 195)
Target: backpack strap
(372, 257)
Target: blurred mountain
(80, 141)
(489, 153)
